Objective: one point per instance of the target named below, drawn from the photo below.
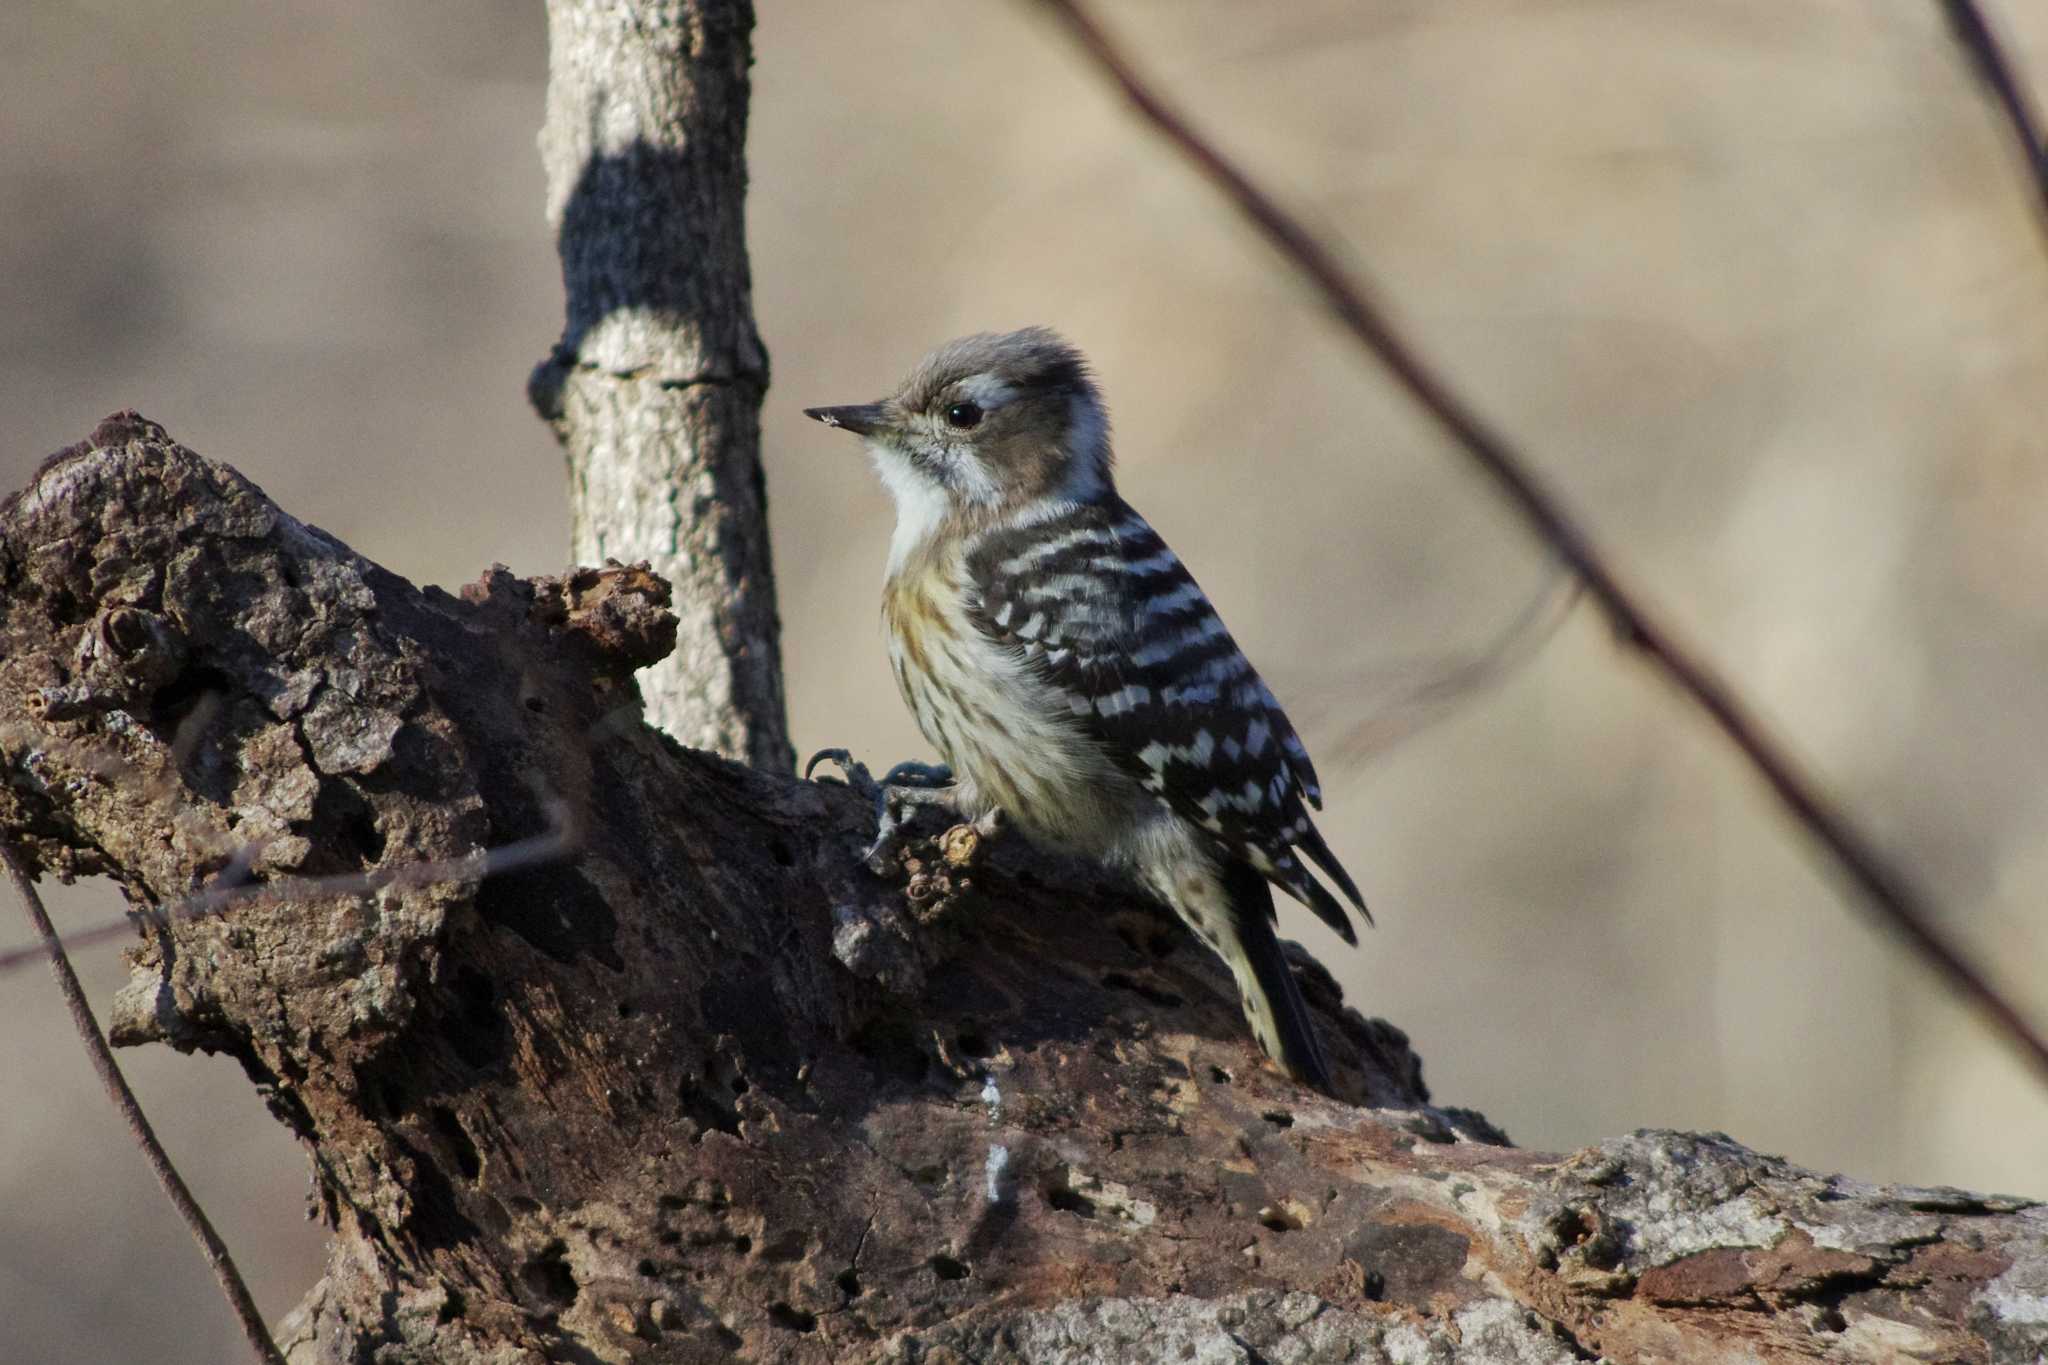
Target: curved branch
(1899, 904)
(1988, 59)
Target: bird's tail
(1265, 983)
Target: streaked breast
(1011, 738)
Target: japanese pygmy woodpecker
(1074, 676)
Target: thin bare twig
(216, 1251)
(1987, 55)
(1898, 902)
(1450, 682)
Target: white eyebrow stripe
(989, 390)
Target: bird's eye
(964, 415)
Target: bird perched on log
(1073, 675)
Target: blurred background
(1754, 281)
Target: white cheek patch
(971, 476)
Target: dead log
(700, 1087)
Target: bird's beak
(862, 419)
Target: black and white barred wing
(1112, 619)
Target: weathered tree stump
(699, 1086)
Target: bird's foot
(903, 790)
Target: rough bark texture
(703, 1088)
(655, 387)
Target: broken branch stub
(702, 1087)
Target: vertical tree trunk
(655, 387)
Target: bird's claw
(903, 790)
(918, 776)
(857, 775)
(894, 810)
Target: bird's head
(987, 426)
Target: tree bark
(703, 1088)
(655, 388)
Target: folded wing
(1107, 614)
